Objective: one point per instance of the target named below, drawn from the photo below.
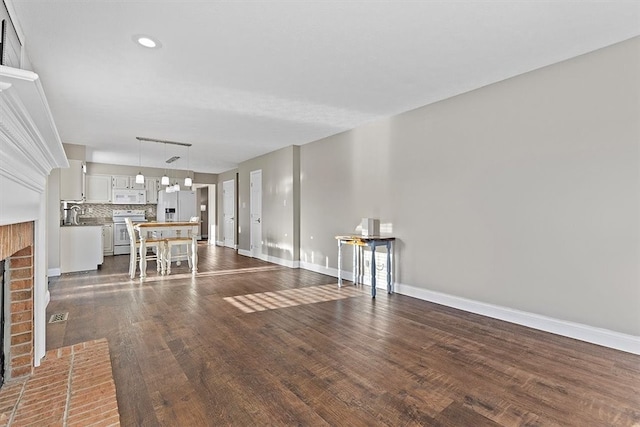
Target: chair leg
(167, 259)
(189, 254)
(132, 265)
(159, 258)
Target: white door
(229, 211)
(255, 212)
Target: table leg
(355, 264)
(361, 265)
(389, 282)
(373, 271)
(143, 257)
(194, 255)
(339, 263)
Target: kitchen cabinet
(98, 188)
(152, 185)
(135, 186)
(123, 182)
(72, 181)
(80, 248)
(120, 182)
(107, 239)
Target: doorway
(228, 212)
(255, 212)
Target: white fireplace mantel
(30, 148)
(30, 145)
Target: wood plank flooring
(184, 352)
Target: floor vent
(59, 317)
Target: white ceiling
(243, 78)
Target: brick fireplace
(17, 249)
(31, 150)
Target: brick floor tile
(42, 398)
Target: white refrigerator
(176, 207)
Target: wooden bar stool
(135, 254)
(180, 242)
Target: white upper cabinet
(152, 185)
(98, 188)
(123, 182)
(72, 181)
(120, 182)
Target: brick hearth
(72, 387)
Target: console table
(359, 243)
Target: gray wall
(280, 203)
(523, 194)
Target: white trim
(219, 242)
(604, 337)
(54, 272)
(280, 261)
(599, 336)
(31, 148)
(40, 283)
(14, 21)
(333, 272)
(271, 259)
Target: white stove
(121, 242)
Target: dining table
(187, 231)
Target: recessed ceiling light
(147, 41)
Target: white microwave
(129, 197)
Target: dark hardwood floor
(250, 343)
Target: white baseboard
(272, 259)
(591, 334)
(54, 272)
(324, 270)
(604, 337)
(284, 262)
(219, 242)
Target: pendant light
(165, 179)
(187, 181)
(140, 177)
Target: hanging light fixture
(140, 177)
(187, 181)
(171, 188)
(165, 179)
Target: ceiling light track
(162, 141)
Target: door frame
(255, 252)
(229, 185)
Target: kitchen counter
(90, 221)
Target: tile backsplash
(100, 211)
